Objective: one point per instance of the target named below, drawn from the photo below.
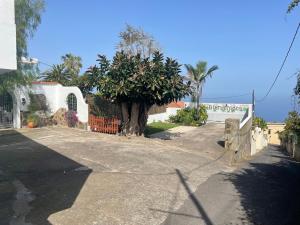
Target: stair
(6, 125)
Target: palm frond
(209, 73)
(192, 73)
(201, 67)
(212, 69)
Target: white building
(56, 96)
(8, 58)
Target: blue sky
(246, 39)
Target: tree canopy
(293, 5)
(27, 19)
(135, 41)
(66, 73)
(73, 65)
(137, 83)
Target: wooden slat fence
(104, 125)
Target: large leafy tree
(27, 19)
(136, 83)
(292, 123)
(86, 84)
(292, 5)
(297, 88)
(133, 41)
(198, 75)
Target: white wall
(162, 116)
(17, 95)
(8, 58)
(217, 112)
(259, 140)
(56, 96)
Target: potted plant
(32, 121)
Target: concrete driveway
(263, 191)
(67, 176)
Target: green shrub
(292, 127)
(156, 127)
(189, 116)
(260, 122)
(292, 123)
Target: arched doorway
(6, 110)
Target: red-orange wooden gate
(104, 125)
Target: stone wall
(245, 139)
(238, 140)
(292, 145)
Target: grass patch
(156, 127)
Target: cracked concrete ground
(76, 177)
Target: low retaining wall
(241, 140)
(162, 116)
(217, 112)
(259, 140)
(238, 140)
(292, 145)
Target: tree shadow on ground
(221, 143)
(270, 193)
(149, 131)
(180, 216)
(50, 178)
(194, 199)
(165, 135)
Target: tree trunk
(143, 117)
(200, 92)
(134, 119)
(197, 105)
(125, 117)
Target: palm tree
(73, 64)
(197, 76)
(58, 74)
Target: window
(6, 102)
(72, 102)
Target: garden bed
(156, 127)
